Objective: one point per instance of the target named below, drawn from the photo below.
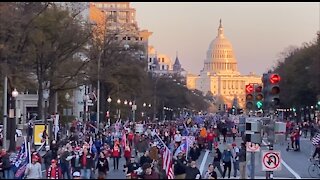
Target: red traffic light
(274, 78)
(249, 88)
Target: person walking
(217, 160)
(227, 159)
(116, 154)
(33, 169)
(54, 171)
(87, 163)
(210, 173)
(242, 161)
(192, 171)
(102, 166)
(235, 154)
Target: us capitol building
(220, 74)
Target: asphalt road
(297, 163)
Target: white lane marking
(296, 175)
(204, 160)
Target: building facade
(118, 19)
(161, 64)
(220, 73)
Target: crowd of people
(90, 153)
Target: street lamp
(12, 115)
(67, 96)
(119, 102)
(125, 102)
(45, 97)
(85, 107)
(130, 103)
(109, 100)
(108, 113)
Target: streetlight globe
(109, 100)
(130, 103)
(45, 94)
(125, 102)
(144, 104)
(126, 46)
(149, 105)
(118, 101)
(67, 96)
(15, 93)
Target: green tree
(299, 71)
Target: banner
(37, 133)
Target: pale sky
(259, 32)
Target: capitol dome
(220, 56)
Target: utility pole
(5, 110)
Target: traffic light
(249, 96)
(275, 90)
(258, 96)
(271, 90)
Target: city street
(296, 163)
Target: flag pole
(162, 141)
(29, 152)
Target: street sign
(271, 161)
(252, 147)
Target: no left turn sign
(271, 161)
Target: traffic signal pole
(252, 165)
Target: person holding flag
(33, 170)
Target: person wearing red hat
(33, 170)
(54, 171)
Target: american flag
(21, 162)
(316, 139)
(166, 157)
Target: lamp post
(67, 96)
(109, 101)
(144, 108)
(45, 97)
(149, 109)
(130, 107)
(85, 107)
(125, 103)
(12, 115)
(119, 102)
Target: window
(162, 67)
(141, 38)
(150, 59)
(163, 60)
(129, 38)
(150, 67)
(124, 38)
